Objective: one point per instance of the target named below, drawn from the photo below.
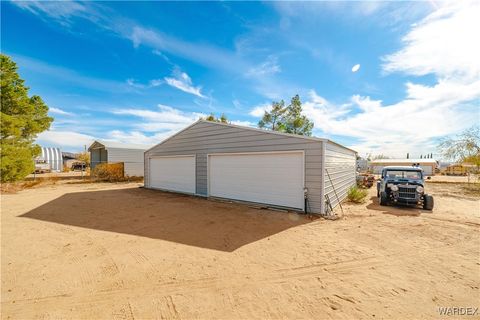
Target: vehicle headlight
(420, 189)
(394, 188)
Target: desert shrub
(111, 172)
(51, 179)
(14, 187)
(357, 195)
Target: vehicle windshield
(403, 174)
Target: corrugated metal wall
(53, 156)
(205, 138)
(340, 165)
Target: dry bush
(14, 187)
(51, 179)
(134, 179)
(111, 172)
(357, 195)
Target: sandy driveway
(118, 251)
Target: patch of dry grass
(14, 187)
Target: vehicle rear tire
(383, 198)
(428, 202)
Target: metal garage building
(228, 161)
(52, 156)
(131, 155)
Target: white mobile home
(220, 160)
(428, 165)
(131, 155)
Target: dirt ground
(117, 251)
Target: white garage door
(173, 173)
(271, 178)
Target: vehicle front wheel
(428, 202)
(383, 198)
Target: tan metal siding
(340, 163)
(206, 138)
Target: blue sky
(140, 71)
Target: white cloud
(69, 140)
(138, 137)
(243, 123)
(268, 67)
(410, 125)
(259, 110)
(355, 68)
(165, 119)
(445, 43)
(236, 103)
(152, 83)
(183, 82)
(62, 11)
(59, 111)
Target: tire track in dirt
(329, 272)
(169, 289)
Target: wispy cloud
(59, 111)
(151, 84)
(387, 13)
(68, 75)
(61, 11)
(65, 12)
(445, 44)
(428, 112)
(182, 81)
(166, 118)
(268, 67)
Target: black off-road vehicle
(403, 185)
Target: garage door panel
(173, 173)
(272, 178)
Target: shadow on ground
(396, 210)
(167, 216)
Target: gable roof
(116, 145)
(291, 135)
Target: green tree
(295, 121)
(287, 119)
(22, 118)
(275, 119)
(211, 117)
